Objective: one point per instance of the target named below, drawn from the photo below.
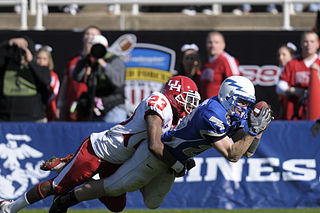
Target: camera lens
(98, 51)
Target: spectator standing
(294, 80)
(71, 90)
(190, 62)
(286, 53)
(105, 78)
(44, 58)
(24, 84)
(220, 66)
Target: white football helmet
(232, 90)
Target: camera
(98, 51)
(16, 53)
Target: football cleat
(5, 206)
(56, 164)
(56, 206)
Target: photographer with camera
(24, 84)
(104, 73)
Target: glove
(188, 165)
(258, 124)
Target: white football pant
(145, 172)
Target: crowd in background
(92, 88)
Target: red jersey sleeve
(231, 66)
(287, 73)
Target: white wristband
(177, 166)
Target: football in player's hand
(258, 106)
(258, 119)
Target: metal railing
(36, 7)
(24, 11)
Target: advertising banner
(284, 172)
(149, 66)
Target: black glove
(188, 165)
(258, 124)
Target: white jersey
(120, 142)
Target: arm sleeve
(284, 80)
(208, 87)
(79, 71)
(286, 74)
(42, 73)
(231, 67)
(115, 99)
(214, 127)
(116, 71)
(238, 134)
(159, 105)
(3, 51)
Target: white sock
(19, 204)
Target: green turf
(185, 211)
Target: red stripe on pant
(84, 165)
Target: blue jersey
(196, 132)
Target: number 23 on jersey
(154, 101)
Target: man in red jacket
(220, 66)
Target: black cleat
(56, 206)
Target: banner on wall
(24, 146)
(284, 172)
(149, 66)
(266, 75)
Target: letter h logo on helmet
(174, 85)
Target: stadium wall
(284, 172)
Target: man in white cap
(70, 89)
(104, 75)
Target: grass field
(317, 210)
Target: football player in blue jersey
(224, 122)
(219, 122)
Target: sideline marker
(314, 96)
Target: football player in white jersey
(215, 123)
(103, 153)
